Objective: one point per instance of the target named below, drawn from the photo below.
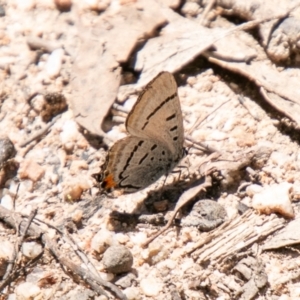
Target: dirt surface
(71, 71)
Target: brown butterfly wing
(157, 114)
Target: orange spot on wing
(109, 182)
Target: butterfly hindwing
(134, 163)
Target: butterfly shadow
(156, 205)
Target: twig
(9, 271)
(207, 9)
(243, 102)
(34, 230)
(36, 43)
(183, 200)
(39, 133)
(273, 103)
(203, 119)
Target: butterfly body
(155, 142)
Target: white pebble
(151, 286)
(7, 202)
(69, 132)
(53, 65)
(274, 198)
(107, 276)
(190, 8)
(6, 249)
(132, 293)
(121, 238)
(253, 189)
(101, 241)
(24, 4)
(6, 252)
(27, 290)
(139, 238)
(31, 249)
(281, 159)
(98, 5)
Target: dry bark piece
(96, 69)
(36, 43)
(285, 40)
(179, 43)
(278, 88)
(290, 235)
(279, 43)
(253, 270)
(235, 235)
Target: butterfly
(154, 145)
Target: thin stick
(183, 200)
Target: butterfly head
(108, 183)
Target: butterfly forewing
(157, 113)
(155, 144)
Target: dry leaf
(96, 69)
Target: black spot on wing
(139, 144)
(143, 158)
(173, 128)
(171, 117)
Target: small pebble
(73, 192)
(102, 240)
(24, 5)
(121, 238)
(27, 291)
(126, 281)
(77, 166)
(253, 189)
(29, 169)
(69, 133)
(54, 63)
(117, 259)
(98, 5)
(7, 150)
(7, 202)
(132, 293)
(31, 249)
(2, 11)
(63, 5)
(74, 187)
(151, 286)
(6, 251)
(190, 8)
(77, 216)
